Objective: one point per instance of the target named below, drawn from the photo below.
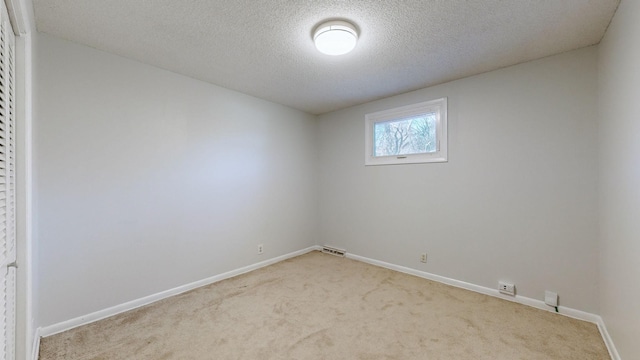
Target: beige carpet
(319, 306)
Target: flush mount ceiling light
(335, 37)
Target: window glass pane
(413, 135)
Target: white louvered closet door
(7, 189)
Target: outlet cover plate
(507, 288)
(551, 298)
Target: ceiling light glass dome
(335, 37)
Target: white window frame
(438, 106)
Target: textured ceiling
(264, 48)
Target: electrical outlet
(423, 257)
(506, 288)
(260, 249)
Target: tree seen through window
(413, 135)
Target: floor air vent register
(333, 251)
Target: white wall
(516, 201)
(148, 180)
(619, 129)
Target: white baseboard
(565, 311)
(101, 314)
(35, 347)
(581, 315)
(607, 340)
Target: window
(407, 135)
